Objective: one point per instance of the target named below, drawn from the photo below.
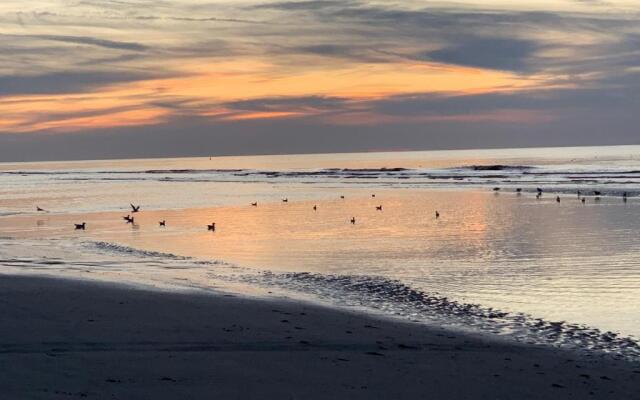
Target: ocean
(549, 269)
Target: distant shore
(76, 339)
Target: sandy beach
(63, 339)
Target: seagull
(437, 214)
(212, 227)
(285, 200)
(518, 190)
(315, 208)
(342, 197)
(353, 220)
(129, 219)
(597, 193)
(134, 208)
(373, 195)
(162, 223)
(496, 189)
(81, 226)
(40, 209)
(558, 199)
(379, 208)
(583, 200)
(255, 204)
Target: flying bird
(129, 219)
(81, 226)
(40, 209)
(255, 204)
(134, 208)
(212, 227)
(353, 220)
(379, 208)
(162, 223)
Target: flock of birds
(212, 227)
(581, 197)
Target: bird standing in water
(437, 214)
(353, 220)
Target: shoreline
(62, 338)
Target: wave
(116, 248)
(397, 298)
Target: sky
(84, 79)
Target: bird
(597, 193)
(496, 189)
(40, 209)
(518, 190)
(373, 195)
(437, 214)
(558, 199)
(583, 200)
(162, 223)
(315, 208)
(353, 220)
(212, 227)
(285, 200)
(539, 190)
(255, 204)
(129, 219)
(342, 197)
(538, 196)
(134, 208)
(379, 208)
(81, 226)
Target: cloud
(64, 82)
(492, 53)
(90, 41)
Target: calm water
(515, 257)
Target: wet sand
(62, 339)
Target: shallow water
(504, 251)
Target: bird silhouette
(212, 227)
(134, 209)
(353, 220)
(40, 209)
(162, 223)
(129, 219)
(81, 226)
(285, 200)
(437, 215)
(379, 208)
(254, 204)
(558, 199)
(315, 208)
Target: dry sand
(62, 339)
